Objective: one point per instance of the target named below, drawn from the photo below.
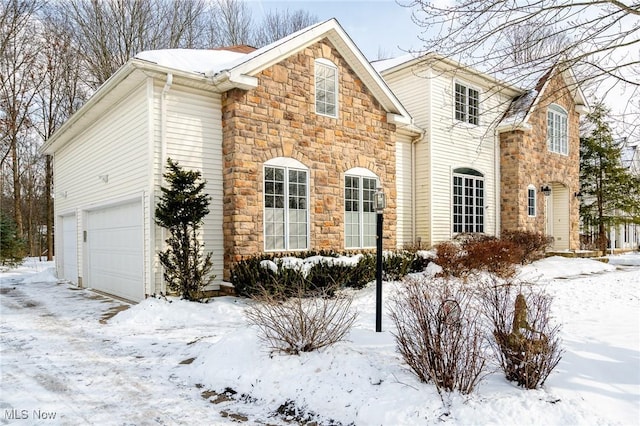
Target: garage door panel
(69, 249)
(115, 250)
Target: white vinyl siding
(108, 161)
(326, 83)
(557, 131)
(194, 138)
(429, 96)
(404, 200)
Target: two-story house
(492, 157)
(293, 139)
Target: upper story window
(468, 200)
(467, 104)
(286, 201)
(531, 200)
(326, 88)
(557, 130)
(359, 213)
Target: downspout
(163, 146)
(498, 184)
(163, 124)
(414, 142)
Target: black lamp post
(379, 203)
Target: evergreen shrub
(12, 248)
(277, 273)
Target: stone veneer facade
(278, 119)
(525, 160)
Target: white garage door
(115, 250)
(69, 250)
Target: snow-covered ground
(170, 362)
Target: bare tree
(110, 32)
(599, 39)
(231, 23)
(279, 24)
(60, 95)
(20, 77)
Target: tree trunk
(17, 204)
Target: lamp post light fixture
(379, 203)
(546, 190)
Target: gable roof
(237, 68)
(223, 69)
(518, 114)
(527, 95)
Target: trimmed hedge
(281, 273)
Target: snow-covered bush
(313, 271)
(439, 332)
(525, 341)
(301, 323)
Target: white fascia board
(227, 80)
(511, 126)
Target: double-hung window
(359, 211)
(467, 102)
(531, 200)
(557, 130)
(326, 74)
(286, 201)
(468, 201)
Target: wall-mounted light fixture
(546, 190)
(578, 195)
(104, 178)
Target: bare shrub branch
(525, 341)
(299, 323)
(439, 333)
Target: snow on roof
(386, 64)
(192, 60)
(212, 61)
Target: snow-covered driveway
(60, 363)
(160, 361)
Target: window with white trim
(467, 101)
(468, 200)
(286, 201)
(359, 212)
(557, 129)
(531, 200)
(326, 88)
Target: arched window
(359, 213)
(468, 200)
(286, 205)
(557, 129)
(531, 200)
(326, 74)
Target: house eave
(119, 85)
(514, 126)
